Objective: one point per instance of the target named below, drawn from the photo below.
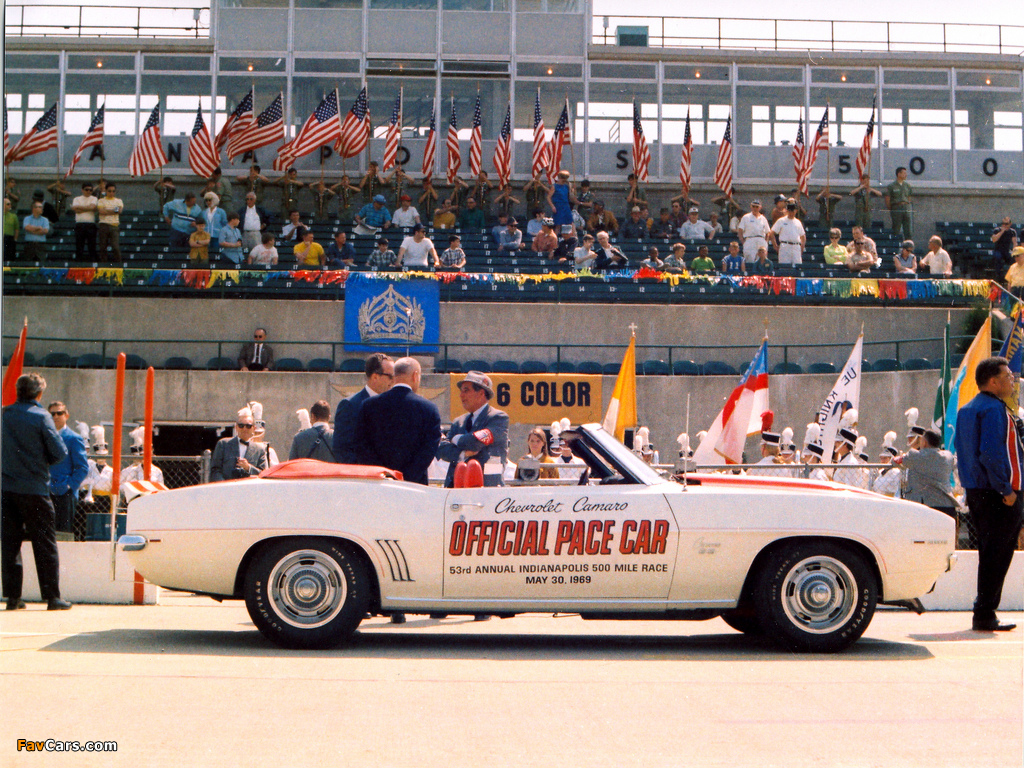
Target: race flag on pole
(430, 150)
(1012, 348)
(560, 139)
(844, 396)
(811, 154)
(741, 415)
(452, 143)
(686, 156)
(539, 162)
(148, 152)
(322, 127)
(476, 142)
(7, 135)
(622, 407)
(239, 121)
(201, 154)
(355, 130)
(723, 167)
(94, 138)
(863, 161)
(942, 388)
(503, 150)
(641, 154)
(14, 369)
(393, 135)
(964, 387)
(266, 129)
(798, 159)
(41, 137)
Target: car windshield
(619, 454)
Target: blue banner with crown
(384, 314)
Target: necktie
(244, 442)
(257, 353)
(469, 424)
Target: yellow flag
(622, 408)
(980, 349)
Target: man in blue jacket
(990, 455)
(30, 446)
(67, 476)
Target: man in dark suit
(236, 456)
(481, 433)
(380, 372)
(257, 356)
(315, 441)
(399, 429)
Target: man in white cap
(753, 232)
(238, 456)
(790, 236)
(695, 229)
(481, 433)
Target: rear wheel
(815, 597)
(306, 592)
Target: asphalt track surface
(190, 682)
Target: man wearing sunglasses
(67, 476)
(238, 456)
(257, 355)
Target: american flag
(202, 158)
(540, 145)
(686, 156)
(7, 135)
(452, 142)
(94, 138)
(430, 151)
(820, 142)
(503, 150)
(641, 154)
(237, 124)
(148, 152)
(321, 127)
(41, 137)
(798, 158)
(475, 142)
(723, 167)
(864, 156)
(264, 130)
(394, 135)
(355, 130)
(560, 139)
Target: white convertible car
(313, 548)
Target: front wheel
(306, 593)
(816, 598)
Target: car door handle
(456, 507)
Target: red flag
(430, 151)
(393, 135)
(148, 152)
(239, 121)
(540, 145)
(452, 142)
(686, 156)
(94, 138)
(475, 142)
(864, 155)
(355, 130)
(14, 368)
(820, 142)
(798, 158)
(641, 154)
(201, 154)
(41, 137)
(503, 150)
(322, 127)
(723, 167)
(560, 139)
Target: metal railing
(139, 21)
(799, 35)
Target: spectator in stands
(1004, 240)
(427, 201)
(454, 258)
(382, 256)
(703, 263)
(676, 214)
(716, 225)
(257, 355)
(561, 199)
(457, 193)
(417, 251)
(165, 190)
(290, 186)
(254, 182)
(937, 259)
(346, 193)
(398, 180)
(1015, 274)
(835, 252)
(606, 256)
(663, 226)
(545, 242)
(181, 215)
(199, 246)
(505, 204)
(11, 192)
(676, 261)
(635, 228)
(471, 218)
(372, 183)
(406, 215)
(322, 195)
(108, 232)
(221, 188)
(534, 225)
(340, 254)
(898, 198)
(48, 210)
(566, 245)
(36, 228)
(862, 195)
(753, 231)
(585, 198)
(583, 256)
(482, 188)
(444, 217)
(11, 227)
(290, 231)
(309, 254)
(653, 261)
(254, 222)
(867, 243)
(602, 220)
(511, 239)
(905, 262)
(374, 215)
(59, 194)
(827, 202)
(778, 209)
(859, 260)
(231, 241)
(695, 229)
(763, 266)
(84, 208)
(734, 263)
(536, 193)
(265, 254)
(498, 228)
(790, 236)
(216, 219)
(634, 193)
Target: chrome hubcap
(819, 594)
(307, 588)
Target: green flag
(942, 388)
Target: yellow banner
(539, 398)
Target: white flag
(844, 395)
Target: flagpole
(572, 153)
(828, 161)
(398, 152)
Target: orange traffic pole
(115, 482)
(147, 434)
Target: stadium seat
(477, 365)
(449, 365)
(290, 364)
(589, 367)
(505, 366)
(656, 368)
(135, 363)
(178, 364)
(563, 366)
(781, 369)
(90, 360)
(533, 366)
(320, 365)
(718, 368)
(352, 365)
(918, 364)
(886, 364)
(686, 368)
(222, 364)
(57, 360)
(30, 359)
(821, 368)
(611, 369)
